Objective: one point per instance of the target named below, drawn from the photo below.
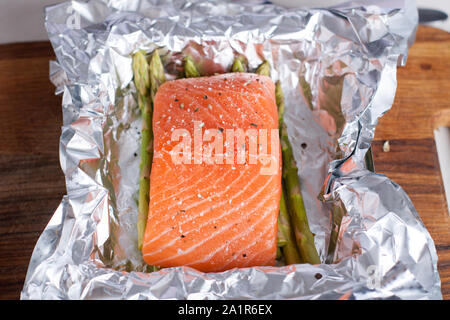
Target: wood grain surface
(32, 183)
(421, 104)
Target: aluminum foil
(337, 67)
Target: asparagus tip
(190, 70)
(239, 65)
(264, 69)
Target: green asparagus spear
(150, 269)
(144, 167)
(285, 239)
(190, 70)
(156, 77)
(141, 74)
(296, 207)
(263, 69)
(290, 250)
(279, 98)
(238, 65)
(142, 82)
(282, 239)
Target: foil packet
(337, 68)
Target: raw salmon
(219, 212)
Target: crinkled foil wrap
(337, 67)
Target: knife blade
(430, 15)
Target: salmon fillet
(218, 212)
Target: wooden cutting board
(32, 183)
